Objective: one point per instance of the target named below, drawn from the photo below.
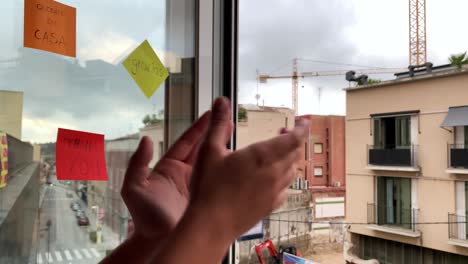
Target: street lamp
(48, 225)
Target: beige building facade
(261, 123)
(11, 113)
(407, 168)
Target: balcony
(392, 158)
(457, 230)
(457, 159)
(393, 220)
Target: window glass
(318, 171)
(394, 201)
(81, 221)
(318, 148)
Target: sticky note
(80, 156)
(50, 26)
(3, 159)
(146, 68)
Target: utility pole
(48, 225)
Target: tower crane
(295, 76)
(417, 33)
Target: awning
(457, 116)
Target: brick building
(322, 165)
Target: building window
(318, 148)
(318, 171)
(392, 132)
(394, 201)
(306, 152)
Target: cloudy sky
(272, 32)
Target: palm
(158, 199)
(168, 193)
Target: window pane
(41, 92)
(318, 171)
(318, 148)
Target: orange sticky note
(50, 26)
(80, 156)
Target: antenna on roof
(257, 96)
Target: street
(67, 242)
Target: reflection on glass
(43, 219)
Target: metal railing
(457, 227)
(403, 156)
(457, 156)
(392, 216)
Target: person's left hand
(157, 199)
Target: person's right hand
(237, 189)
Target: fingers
(137, 171)
(280, 148)
(286, 178)
(189, 141)
(220, 128)
(280, 199)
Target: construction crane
(295, 76)
(417, 33)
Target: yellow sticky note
(146, 68)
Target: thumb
(138, 170)
(220, 128)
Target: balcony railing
(392, 156)
(458, 156)
(457, 227)
(392, 216)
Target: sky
(272, 33)
(362, 32)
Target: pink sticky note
(80, 156)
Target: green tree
(458, 60)
(370, 81)
(154, 119)
(242, 115)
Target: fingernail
(220, 108)
(302, 126)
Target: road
(66, 242)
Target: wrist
(210, 225)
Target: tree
(242, 115)
(458, 60)
(370, 81)
(154, 119)
(373, 81)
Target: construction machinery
(274, 257)
(417, 33)
(417, 54)
(295, 76)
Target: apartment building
(257, 123)
(322, 165)
(407, 168)
(323, 162)
(11, 113)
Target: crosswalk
(67, 255)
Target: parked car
(83, 220)
(79, 213)
(75, 206)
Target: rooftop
(441, 71)
(252, 107)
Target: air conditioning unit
(337, 184)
